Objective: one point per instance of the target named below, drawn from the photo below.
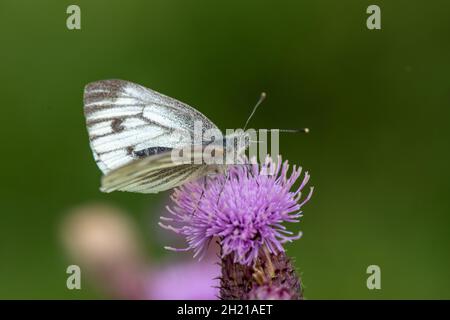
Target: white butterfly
(133, 131)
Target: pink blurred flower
(104, 242)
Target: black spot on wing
(149, 152)
(117, 126)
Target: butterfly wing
(152, 174)
(127, 122)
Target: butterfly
(134, 131)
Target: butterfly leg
(223, 185)
(201, 195)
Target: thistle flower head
(244, 209)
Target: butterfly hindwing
(152, 174)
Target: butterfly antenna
(261, 99)
(302, 130)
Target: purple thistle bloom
(244, 209)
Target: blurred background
(377, 104)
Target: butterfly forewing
(127, 121)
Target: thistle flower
(244, 209)
(272, 277)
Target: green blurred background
(377, 104)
